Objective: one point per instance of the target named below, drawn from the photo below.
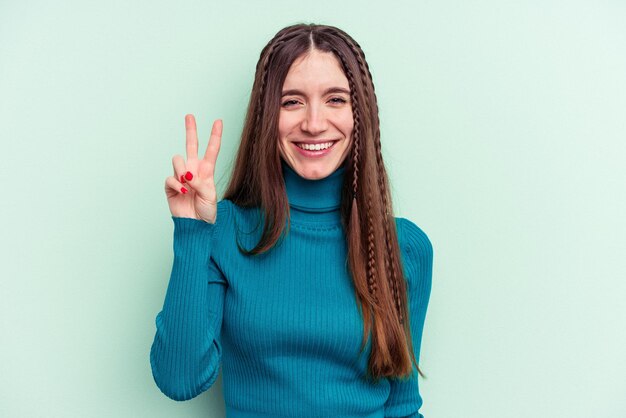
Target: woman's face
(315, 111)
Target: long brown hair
(366, 207)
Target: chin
(314, 171)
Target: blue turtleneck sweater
(284, 326)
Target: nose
(315, 120)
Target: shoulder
(226, 215)
(233, 220)
(224, 208)
(412, 239)
(232, 214)
(417, 254)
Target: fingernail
(188, 176)
(183, 190)
(182, 178)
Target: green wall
(503, 131)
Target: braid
(263, 80)
(357, 143)
(389, 264)
(363, 67)
(367, 75)
(268, 51)
(372, 274)
(382, 184)
(357, 122)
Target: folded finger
(172, 184)
(178, 162)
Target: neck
(314, 200)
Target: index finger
(213, 147)
(192, 136)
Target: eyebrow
(297, 92)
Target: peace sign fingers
(191, 191)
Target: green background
(503, 128)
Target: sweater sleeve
(404, 398)
(186, 353)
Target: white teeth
(316, 147)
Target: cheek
(281, 125)
(348, 124)
(346, 119)
(348, 131)
(284, 124)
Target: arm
(186, 352)
(417, 252)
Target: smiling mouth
(321, 146)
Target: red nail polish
(183, 190)
(182, 178)
(188, 176)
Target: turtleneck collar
(314, 200)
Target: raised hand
(191, 190)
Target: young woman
(300, 283)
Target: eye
(289, 103)
(338, 100)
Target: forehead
(316, 70)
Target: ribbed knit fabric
(284, 326)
